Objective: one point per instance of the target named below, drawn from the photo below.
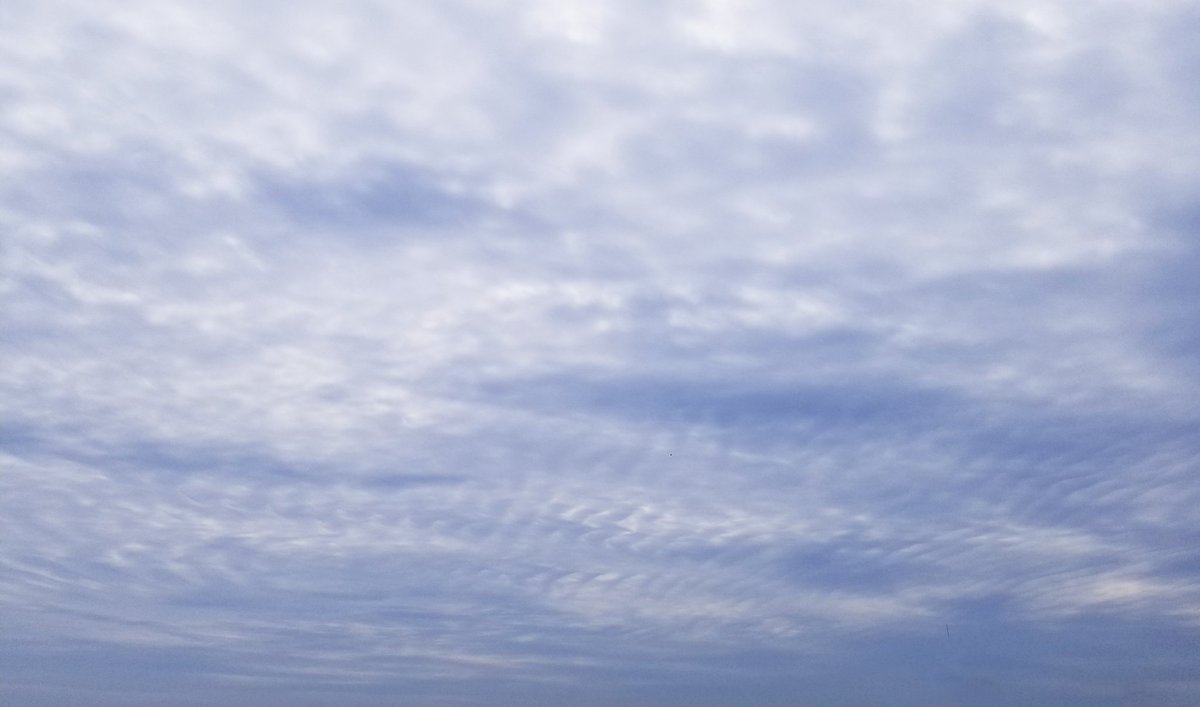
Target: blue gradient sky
(596, 353)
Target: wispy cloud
(601, 353)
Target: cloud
(553, 352)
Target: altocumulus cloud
(680, 353)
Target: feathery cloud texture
(680, 353)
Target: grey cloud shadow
(371, 196)
(837, 103)
(1180, 54)
(1085, 470)
(166, 460)
(849, 567)
(1170, 287)
(721, 401)
(974, 77)
(132, 191)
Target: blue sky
(593, 353)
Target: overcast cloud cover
(596, 353)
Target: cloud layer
(599, 353)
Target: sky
(698, 353)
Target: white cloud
(485, 340)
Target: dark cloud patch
(135, 192)
(403, 481)
(850, 567)
(975, 81)
(1179, 55)
(1171, 310)
(155, 457)
(722, 402)
(373, 198)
